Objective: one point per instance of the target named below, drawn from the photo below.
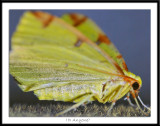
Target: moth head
(136, 84)
(134, 80)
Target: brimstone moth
(69, 59)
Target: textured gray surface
(93, 109)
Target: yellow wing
(46, 53)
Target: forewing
(44, 54)
(93, 32)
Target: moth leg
(143, 104)
(133, 94)
(109, 111)
(140, 107)
(114, 101)
(76, 105)
(128, 99)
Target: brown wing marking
(104, 39)
(45, 18)
(77, 20)
(119, 56)
(124, 65)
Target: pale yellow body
(103, 92)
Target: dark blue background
(129, 30)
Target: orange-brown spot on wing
(45, 18)
(73, 16)
(80, 21)
(124, 65)
(77, 21)
(119, 56)
(104, 39)
(47, 22)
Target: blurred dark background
(129, 30)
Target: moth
(70, 59)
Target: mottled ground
(93, 109)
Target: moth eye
(135, 85)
